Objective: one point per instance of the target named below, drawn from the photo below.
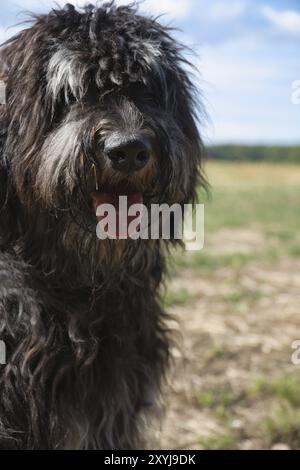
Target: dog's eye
(69, 98)
(135, 90)
(138, 93)
(62, 106)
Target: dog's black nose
(129, 156)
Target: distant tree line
(242, 153)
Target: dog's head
(99, 104)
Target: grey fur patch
(55, 157)
(65, 73)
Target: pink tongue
(100, 198)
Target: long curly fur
(87, 339)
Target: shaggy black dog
(99, 104)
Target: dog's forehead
(116, 55)
(68, 70)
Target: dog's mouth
(123, 221)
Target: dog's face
(99, 105)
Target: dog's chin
(121, 197)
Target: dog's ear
(26, 117)
(3, 134)
(187, 109)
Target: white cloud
(221, 11)
(228, 67)
(248, 98)
(31, 5)
(174, 8)
(287, 20)
(44, 5)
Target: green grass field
(254, 195)
(238, 305)
(262, 198)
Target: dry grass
(241, 175)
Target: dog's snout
(129, 156)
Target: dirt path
(238, 327)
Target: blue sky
(248, 54)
